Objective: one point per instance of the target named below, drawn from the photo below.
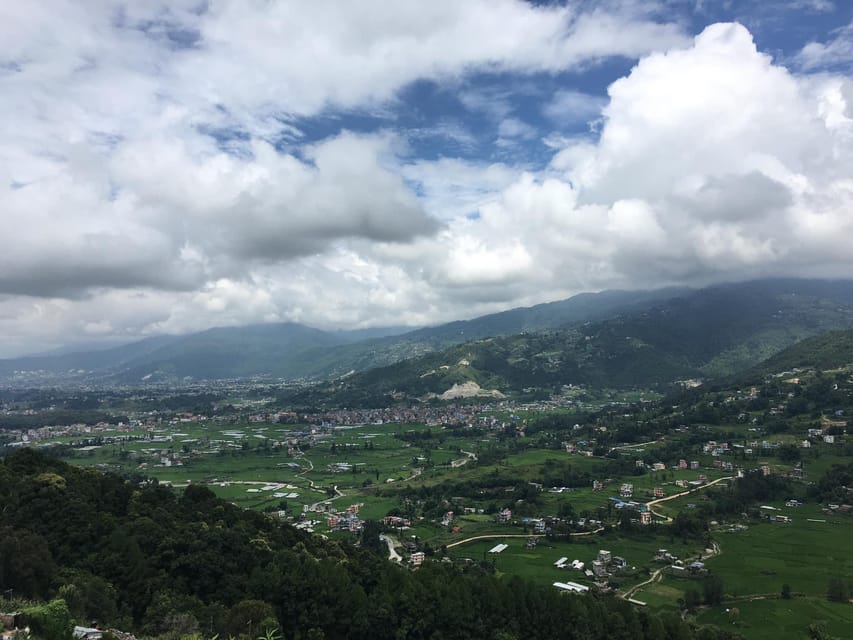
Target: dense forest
(139, 556)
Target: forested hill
(294, 351)
(719, 330)
(715, 332)
(142, 557)
(830, 350)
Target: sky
(166, 167)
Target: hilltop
(294, 351)
(710, 333)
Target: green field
(253, 466)
(776, 619)
(802, 554)
(537, 564)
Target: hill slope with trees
(711, 333)
(140, 556)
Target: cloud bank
(159, 171)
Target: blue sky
(461, 117)
(170, 166)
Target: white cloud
(154, 175)
(369, 50)
(453, 188)
(515, 128)
(572, 107)
(818, 6)
(712, 163)
(836, 52)
(273, 206)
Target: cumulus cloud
(838, 51)
(368, 50)
(712, 162)
(157, 172)
(273, 206)
(143, 142)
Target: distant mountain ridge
(712, 332)
(294, 351)
(612, 338)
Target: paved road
(392, 552)
(657, 575)
(500, 536)
(638, 444)
(678, 495)
(463, 461)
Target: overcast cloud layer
(170, 167)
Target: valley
(651, 479)
(721, 502)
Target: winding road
(515, 535)
(392, 552)
(679, 495)
(657, 575)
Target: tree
(789, 453)
(786, 591)
(734, 614)
(370, 537)
(252, 618)
(837, 590)
(817, 631)
(712, 589)
(692, 599)
(89, 597)
(566, 511)
(25, 562)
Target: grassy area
(537, 564)
(802, 554)
(236, 460)
(781, 619)
(663, 595)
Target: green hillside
(831, 350)
(710, 333)
(293, 351)
(612, 338)
(144, 558)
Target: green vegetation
(771, 619)
(724, 503)
(178, 565)
(719, 331)
(826, 351)
(51, 621)
(627, 339)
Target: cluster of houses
(89, 435)
(397, 522)
(444, 415)
(599, 570)
(640, 507)
(678, 567)
(604, 565)
(346, 520)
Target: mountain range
(612, 338)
